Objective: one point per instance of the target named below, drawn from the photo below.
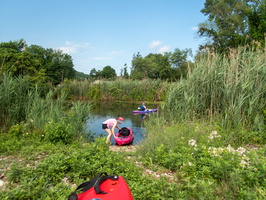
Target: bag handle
(100, 181)
(94, 182)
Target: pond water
(103, 111)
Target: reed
(230, 89)
(22, 104)
(76, 89)
(128, 90)
(13, 97)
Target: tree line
(230, 23)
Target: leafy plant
(58, 132)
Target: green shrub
(58, 132)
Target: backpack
(124, 131)
(91, 189)
(94, 182)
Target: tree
(124, 72)
(37, 63)
(179, 62)
(108, 72)
(94, 74)
(158, 66)
(230, 23)
(139, 67)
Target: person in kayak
(109, 126)
(143, 107)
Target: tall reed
(129, 90)
(229, 88)
(13, 97)
(19, 103)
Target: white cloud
(101, 58)
(68, 50)
(195, 28)
(155, 44)
(164, 49)
(115, 52)
(71, 47)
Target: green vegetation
(233, 23)
(22, 105)
(227, 90)
(207, 143)
(204, 164)
(40, 65)
(193, 150)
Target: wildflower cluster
(213, 135)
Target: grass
(229, 90)
(192, 163)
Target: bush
(58, 132)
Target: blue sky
(97, 33)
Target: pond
(103, 111)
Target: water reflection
(102, 111)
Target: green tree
(62, 67)
(179, 63)
(108, 72)
(139, 68)
(124, 72)
(232, 23)
(37, 63)
(94, 74)
(158, 66)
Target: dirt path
(130, 148)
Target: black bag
(94, 182)
(124, 131)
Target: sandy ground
(130, 148)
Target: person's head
(120, 120)
(143, 103)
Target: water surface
(103, 111)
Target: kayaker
(109, 126)
(143, 107)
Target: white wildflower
(241, 150)
(214, 134)
(244, 163)
(192, 142)
(211, 137)
(230, 149)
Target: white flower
(241, 150)
(192, 142)
(214, 134)
(244, 163)
(210, 137)
(230, 149)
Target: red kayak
(124, 136)
(103, 188)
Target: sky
(98, 33)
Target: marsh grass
(28, 110)
(13, 97)
(229, 89)
(128, 90)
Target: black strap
(96, 182)
(100, 181)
